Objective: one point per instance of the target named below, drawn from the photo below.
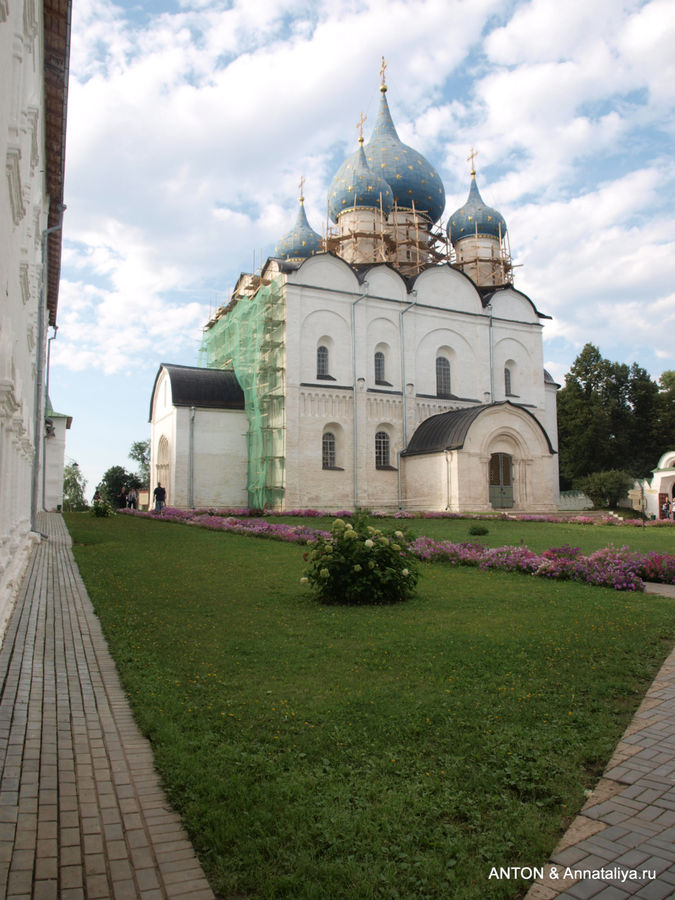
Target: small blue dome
(475, 218)
(356, 185)
(301, 241)
(413, 179)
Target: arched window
(322, 362)
(328, 450)
(507, 381)
(442, 377)
(379, 368)
(381, 450)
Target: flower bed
(622, 569)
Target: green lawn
(351, 752)
(536, 535)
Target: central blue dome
(412, 178)
(413, 181)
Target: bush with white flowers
(359, 564)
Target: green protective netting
(249, 338)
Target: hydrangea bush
(358, 564)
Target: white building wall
(55, 452)
(23, 207)
(327, 306)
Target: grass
(365, 752)
(538, 536)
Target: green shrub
(605, 488)
(478, 529)
(359, 564)
(101, 509)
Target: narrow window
(442, 377)
(379, 368)
(507, 381)
(328, 450)
(381, 450)
(322, 362)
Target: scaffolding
(248, 336)
(410, 245)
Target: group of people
(129, 499)
(668, 509)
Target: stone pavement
(622, 844)
(82, 814)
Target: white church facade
(387, 365)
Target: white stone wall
(217, 457)
(443, 316)
(458, 480)
(22, 218)
(55, 452)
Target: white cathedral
(386, 365)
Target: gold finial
(383, 69)
(362, 121)
(301, 185)
(472, 156)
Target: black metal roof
(203, 388)
(448, 430)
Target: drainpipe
(447, 479)
(191, 460)
(361, 297)
(44, 436)
(403, 389)
(38, 412)
(492, 359)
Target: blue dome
(413, 179)
(355, 184)
(301, 241)
(475, 218)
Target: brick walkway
(627, 827)
(82, 814)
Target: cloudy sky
(190, 123)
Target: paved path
(627, 827)
(82, 814)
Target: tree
(114, 479)
(666, 406)
(606, 488)
(611, 417)
(140, 453)
(74, 484)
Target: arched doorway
(501, 480)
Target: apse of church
(388, 363)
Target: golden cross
(301, 185)
(472, 156)
(383, 69)
(362, 121)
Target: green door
(501, 481)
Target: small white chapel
(388, 364)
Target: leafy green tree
(611, 417)
(114, 479)
(606, 489)
(74, 484)
(666, 406)
(140, 453)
